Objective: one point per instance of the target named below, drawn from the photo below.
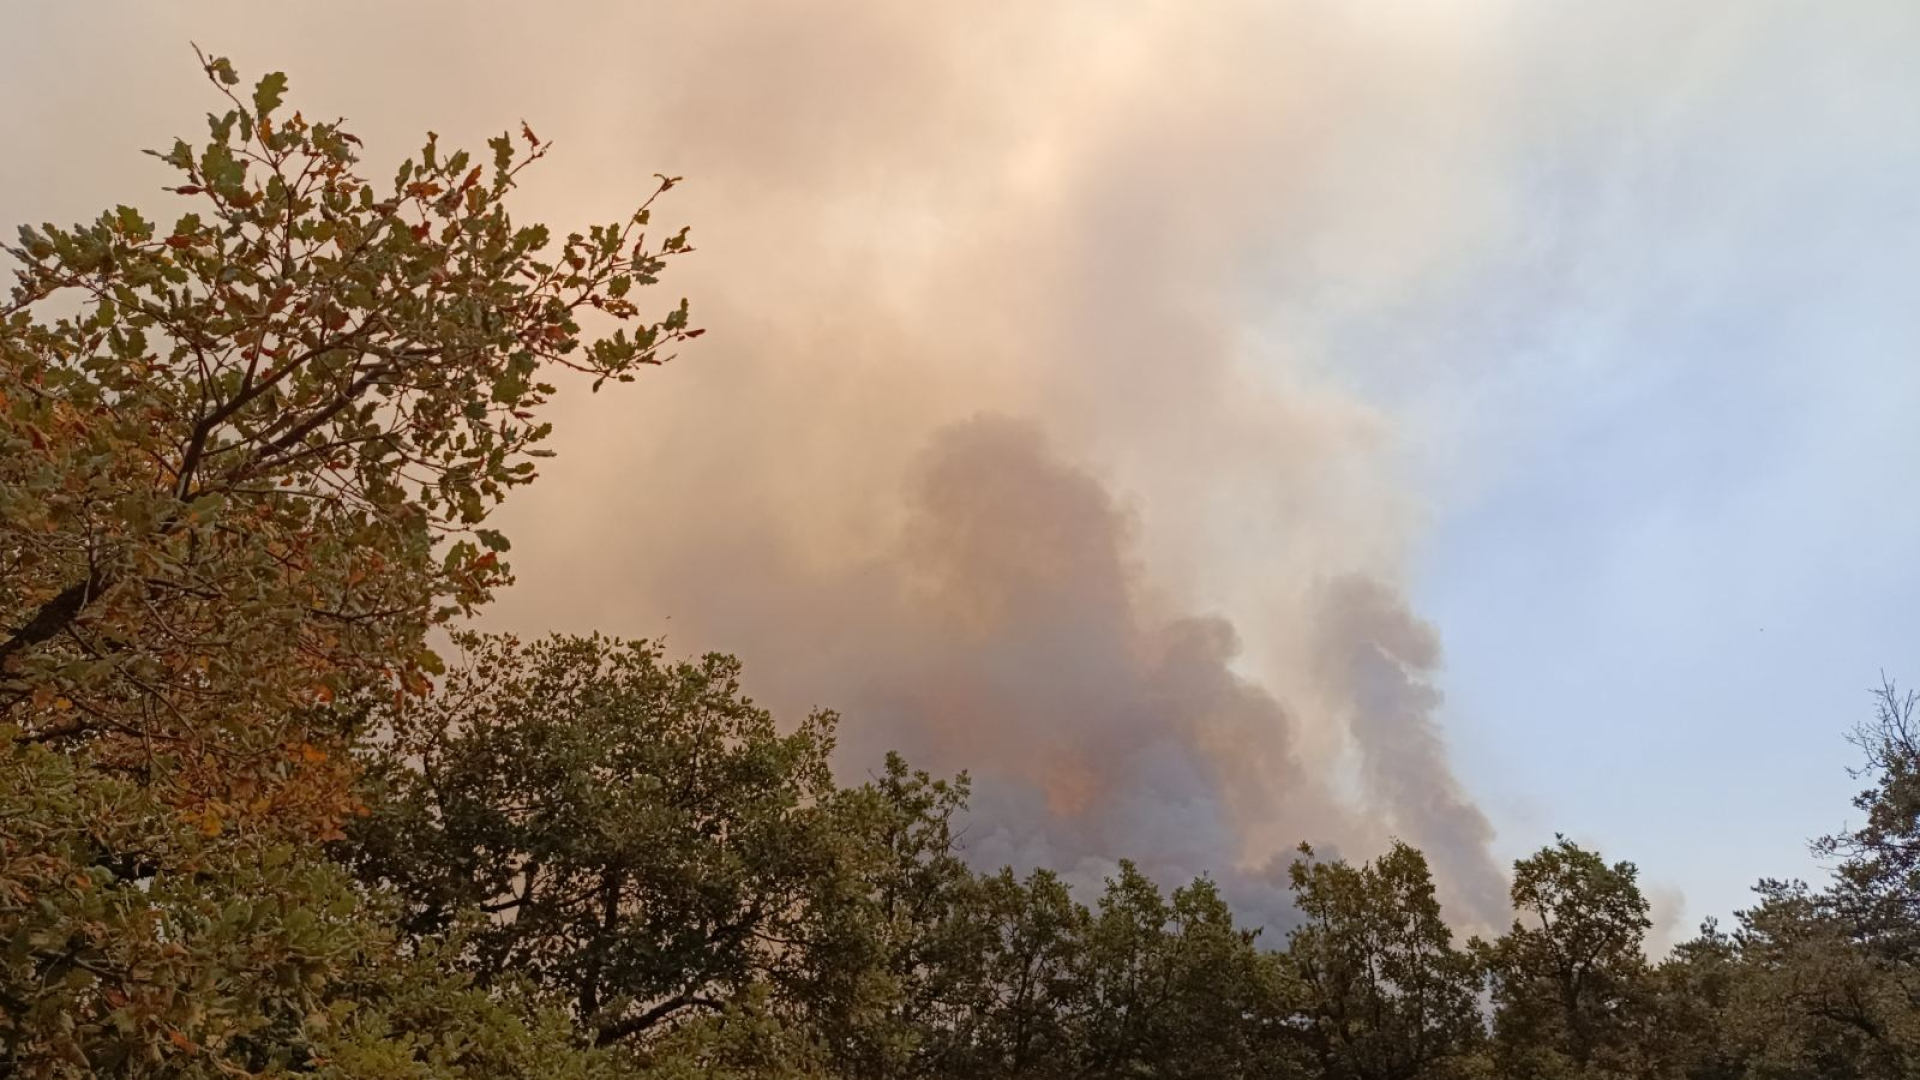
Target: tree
(1810, 1000)
(1568, 979)
(1385, 993)
(1700, 1030)
(1223, 1005)
(1877, 876)
(140, 946)
(1830, 979)
(893, 937)
(1815, 982)
(1016, 997)
(639, 837)
(1171, 989)
(246, 460)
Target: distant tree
(894, 933)
(1016, 1005)
(1830, 978)
(1384, 992)
(1815, 982)
(1172, 989)
(1569, 977)
(1877, 871)
(1813, 1002)
(247, 459)
(1697, 1023)
(643, 842)
(1223, 997)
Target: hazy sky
(1218, 424)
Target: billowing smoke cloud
(1000, 449)
(1017, 646)
(1011, 438)
(1110, 732)
(1009, 632)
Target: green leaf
(131, 224)
(207, 507)
(269, 91)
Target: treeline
(579, 823)
(251, 825)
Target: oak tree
(247, 458)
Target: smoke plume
(1011, 438)
(999, 449)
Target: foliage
(893, 929)
(1173, 990)
(140, 946)
(638, 834)
(1014, 1009)
(1698, 1019)
(1385, 992)
(1567, 976)
(245, 463)
(246, 459)
(1878, 876)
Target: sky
(1215, 424)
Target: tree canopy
(247, 460)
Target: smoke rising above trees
(252, 823)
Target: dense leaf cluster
(250, 825)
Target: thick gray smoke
(1007, 629)
(1021, 641)
(1018, 647)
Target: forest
(269, 805)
